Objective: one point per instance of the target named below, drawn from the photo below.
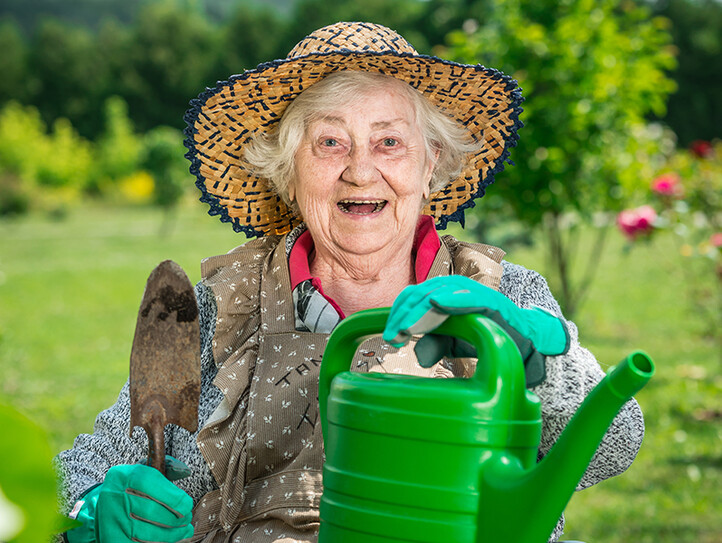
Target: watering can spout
(541, 493)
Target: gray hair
(272, 155)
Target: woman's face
(362, 175)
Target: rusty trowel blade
(165, 378)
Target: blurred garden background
(615, 196)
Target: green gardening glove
(135, 503)
(421, 308)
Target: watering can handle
(502, 365)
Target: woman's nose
(360, 168)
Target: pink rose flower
(701, 148)
(716, 239)
(636, 222)
(667, 185)
(646, 215)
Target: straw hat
(225, 118)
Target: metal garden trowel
(165, 375)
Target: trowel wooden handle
(156, 448)
(156, 437)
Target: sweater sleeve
(92, 455)
(570, 377)
(110, 444)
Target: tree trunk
(563, 257)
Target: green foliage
(423, 23)
(68, 75)
(163, 149)
(400, 15)
(27, 480)
(13, 62)
(21, 130)
(170, 58)
(37, 167)
(130, 48)
(69, 160)
(14, 197)
(49, 170)
(118, 149)
(159, 54)
(87, 13)
(590, 71)
(245, 39)
(694, 112)
(700, 191)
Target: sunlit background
(615, 195)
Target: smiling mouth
(361, 207)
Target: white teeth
(378, 203)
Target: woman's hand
(135, 503)
(421, 308)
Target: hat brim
(225, 118)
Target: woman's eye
(389, 142)
(329, 142)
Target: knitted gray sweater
(569, 378)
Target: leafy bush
(118, 151)
(14, 198)
(23, 140)
(50, 170)
(69, 160)
(163, 152)
(38, 168)
(591, 72)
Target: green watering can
(451, 460)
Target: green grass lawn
(69, 295)
(673, 491)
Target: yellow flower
(137, 187)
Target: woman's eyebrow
(386, 124)
(377, 125)
(331, 119)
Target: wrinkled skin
(371, 151)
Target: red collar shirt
(317, 312)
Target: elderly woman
(343, 160)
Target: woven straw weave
(224, 119)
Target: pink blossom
(667, 185)
(636, 222)
(716, 239)
(646, 217)
(701, 148)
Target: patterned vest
(264, 444)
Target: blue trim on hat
(216, 208)
(511, 141)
